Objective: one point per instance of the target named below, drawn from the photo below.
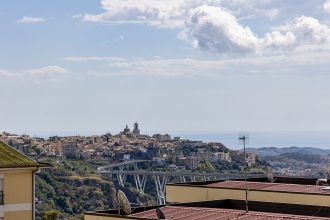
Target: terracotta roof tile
(192, 213)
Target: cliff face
(67, 190)
(73, 188)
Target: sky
(171, 65)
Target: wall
(194, 194)
(18, 193)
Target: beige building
(258, 191)
(284, 199)
(17, 182)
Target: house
(17, 184)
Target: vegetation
(72, 188)
(205, 166)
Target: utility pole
(244, 139)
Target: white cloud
(47, 71)
(4, 73)
(42, 73)
(30, 20)
(215, 25)
(278, 65)
(87, 59)
(216, 29)
(326, 6)
(165, 13)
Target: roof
(11, 158)
(283, 187)
(193, 213)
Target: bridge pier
(140, 184)
(120, 172)
(160, 189)
(121, 179)
(182, 179)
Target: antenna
(270, 176)
(124, 203)
(243, 137)
(160, 213)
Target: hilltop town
(74, 184)
(162, 149)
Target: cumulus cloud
(165, 13)
(30, 20)
(326, 6)
(216, 25)
(216, 29)
(300, 31)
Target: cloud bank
(277, 65)
(215, 25)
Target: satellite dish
(270, 176)
(160, 213)
(124, 203)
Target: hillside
(72, 187)
(275, 151)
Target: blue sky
(173, 66)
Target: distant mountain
(275, 151)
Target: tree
(51, 215)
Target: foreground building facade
(17, 184)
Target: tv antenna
(244, 138)
(124, 203)
(270, 176)
(160, 213)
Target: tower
(136, 130)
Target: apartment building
(282, 199)
(17, 184)
(299, 191)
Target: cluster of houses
(162, 149)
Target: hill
(275, 151)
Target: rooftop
(264, 186)
(11, 158)
(195, 213)
(224, 209)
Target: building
(298, 191)
(17, 184)
(70, 150)
(218, 210)
(136, 130)
(126, 131)
(250, 158)
(224, 156)
(191, 162)
(284, 199)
